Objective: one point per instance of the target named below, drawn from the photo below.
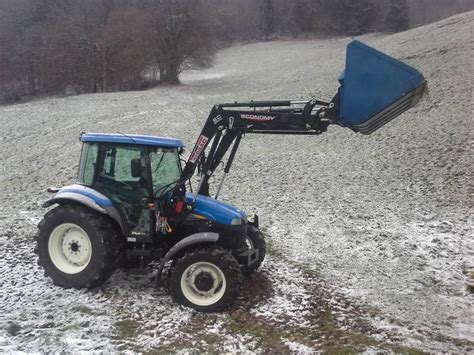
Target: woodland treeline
(83, 46)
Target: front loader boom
(225, 126)
(374, 89)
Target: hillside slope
(368, 234)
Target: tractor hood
(215, 210)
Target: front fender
(64, 197)
(197, 238)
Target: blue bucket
(375, 88)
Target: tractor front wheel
(255, 240)
(207, 280)
(77, 247)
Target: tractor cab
(130, 170)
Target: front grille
(231, 237)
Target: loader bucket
(375, 88)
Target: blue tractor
(133, 202)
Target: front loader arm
(227, 123)
(374, 89)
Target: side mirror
(136, 167)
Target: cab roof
(133, 139)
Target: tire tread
(228, 265)
(104, 230)
(259, 242)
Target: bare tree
(266, 18)
(183, 38)
(123, 46)
(54, 46)
(397, 17)
(354, 17)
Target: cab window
(165, 169)
(87, 163)
(117, 163)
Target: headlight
(236, 222)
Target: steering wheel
(111, 181)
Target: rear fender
(193, 239)
(65, 197)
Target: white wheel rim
(249, 243)
(69, 248)
(190, 283)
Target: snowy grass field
(368, 235)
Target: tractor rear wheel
(255, 240)
(207, 280)
(77, 247)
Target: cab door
(128, 193)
